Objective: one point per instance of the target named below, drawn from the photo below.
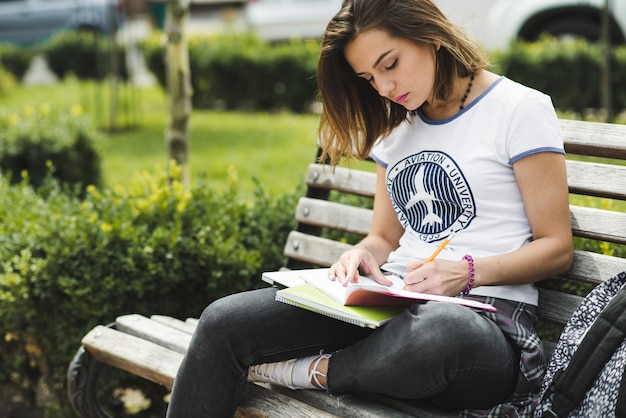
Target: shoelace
(314, 375)
(278, 372)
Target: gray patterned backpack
(586, 372)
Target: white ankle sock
(293, 373)
(300, 373)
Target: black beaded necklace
(469, 87)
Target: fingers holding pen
(439, 277)
(414, 275)
(412, 281)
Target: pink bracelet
(470, 281)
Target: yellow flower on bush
(141, 205)
(45, 109)
(13, 119)
(29, 111)
(106, 227)
(185, 197)
(77, 110)
(233, 175)
(120, 190)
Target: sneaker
(278, 373)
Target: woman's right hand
(353, 262)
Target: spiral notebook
(373, 304)
(309, 297)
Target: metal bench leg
(82, 379)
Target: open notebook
(367, 304)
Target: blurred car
(495, 23)
(31, 21)
(276, 20)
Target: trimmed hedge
(152, 247)
(15, 59)
(241, 72)
(86, 55)
(569, 72)
(38, 138)
(7, 81)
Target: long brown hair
(354, 116)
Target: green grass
(274, 148)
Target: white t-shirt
(456, 175)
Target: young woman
(459, 149)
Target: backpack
(585, 375)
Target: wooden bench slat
(153, 331)
(366, 406)
(603, 225)
(183, 326)
(414, 409)
(133, 354)
(587, 266)
(315, 250)
(334, 215)
(587, 222)
(596, 179)
(343, 179)
(258, 400)
(556, 307)
(594, 268)
(596, 139)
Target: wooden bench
(154, 347)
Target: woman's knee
(437, 322)
(233, 315)
(456, 331)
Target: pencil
(441, 247)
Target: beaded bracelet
(470, 281)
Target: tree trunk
(178, 84)
(605, 78)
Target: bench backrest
(331, 217)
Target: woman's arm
(373, 250)
(542, 181)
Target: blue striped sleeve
(535, 151)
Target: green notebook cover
(308, 297)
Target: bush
(15, 59)
(7, 81)
(33, 141)
(152, 247)
(86, 55)
(242, 72)
(569, 72)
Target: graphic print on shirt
(431, 195)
